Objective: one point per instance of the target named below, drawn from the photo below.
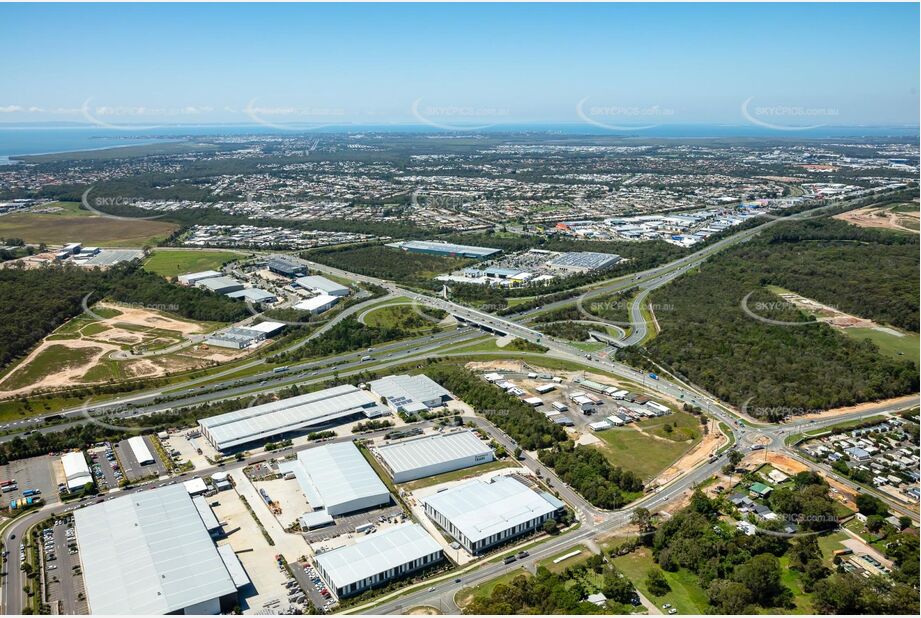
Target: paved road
(594, 520)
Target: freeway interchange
(594, 522)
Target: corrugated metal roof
(293, 413)
(148, 553)
(431, 450)
(207, 515)
(139, 448)
(377, 553)
(234, 567)
(585, 259)
(335, 474)
(76, 470)
(448, 248)
(409, 392)
(316, 282)
(480, 509)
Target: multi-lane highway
(228, 384)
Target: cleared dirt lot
(95, 348)
(882, 217)
(254, 552)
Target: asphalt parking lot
(105, 467)
(346, 524)
(311, 584)
(65, 592)
(134, 470)
(32, 473)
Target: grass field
(793, 580)
(466, 595)
(405, 317)
(893, 346)
(828, 543)
(174, 263)
(548, 564)
(660, 449)
(71, 224)
(686, 594)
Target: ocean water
(33, 139)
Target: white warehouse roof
(377, 553)
(76, 470)
(140, 450)
(269, 328)
(410, 393)
(480, 509)
(420, 457)
(323, 301)
(291, 414)
(322, 284)
(190, 278)
(148, 553)
(338, 478)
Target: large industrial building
(336, 478)
(150, 553)
(193, 278)
(220, 285)
(418, 458)
(445, 249)
(76, 470)
(254, 295)
(286, 266)
(479, 514)
(583, 261)
(406, 393)
(317, 304)
(322, 285)
(378, 558)
(269, 420)
(140, 450)
(240, 337)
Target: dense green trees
(656, 583)
(778, 370)
(345, 336)
(34, 302)
(848, 593)
(743, 575)
(523, 423)
(583, 468)
(563, 593)
(388, 263)
(589, 472)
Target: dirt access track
(105, 337)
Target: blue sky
(843, 64)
